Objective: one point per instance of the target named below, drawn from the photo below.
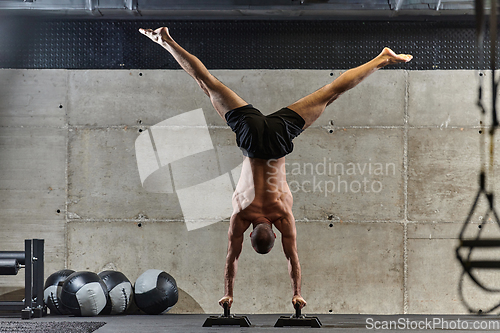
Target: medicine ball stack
(84, 294)
(155, 291)
(119, 290)
(52, 291)
(108, 293)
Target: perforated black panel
(243, 44)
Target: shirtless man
(262, 197)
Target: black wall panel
(235, 44)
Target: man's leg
(313, 105)
(223, 98)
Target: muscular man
(262, 197)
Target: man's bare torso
(262, 192)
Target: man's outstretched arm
(233, 253)
(289, 242)
(235, 244)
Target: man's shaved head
(262, 238)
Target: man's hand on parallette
(298, 299)
(226, 299)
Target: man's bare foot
(390, 58)
(159, 35)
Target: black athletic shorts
(266, 137)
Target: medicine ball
(155, 291)
(84, 294)
(119, 292)
(52, 294)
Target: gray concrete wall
(394, 171)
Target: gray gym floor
(264, 323)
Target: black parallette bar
(11, 306)
(480, 243)
(489, 264)
(284, 321)
(9, 266)
(298, 320)
(297, 310)
(38, 277)
(19, 255)
(241, 321)
(227, 319)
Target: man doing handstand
(262, 197)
